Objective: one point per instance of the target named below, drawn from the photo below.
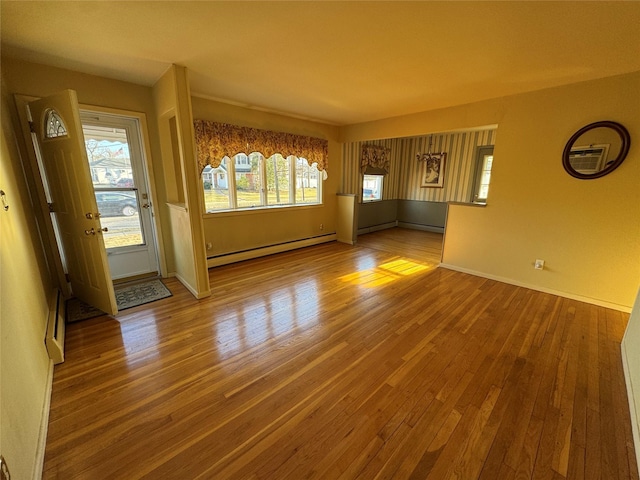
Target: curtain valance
(375, 157)
(215, 141)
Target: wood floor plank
(345, 362)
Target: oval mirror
(596, 150)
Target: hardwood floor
(341, 362)
(413, 244)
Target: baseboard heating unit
(54, 339)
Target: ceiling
(334, 62)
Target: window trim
(481, 152)
(232, 189)
(381, 180)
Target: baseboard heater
(227, 258)
(376, 228)
(54, 340)
(422, 227)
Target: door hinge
(32, 127)
(51, 207)
(67, 277)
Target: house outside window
(252, 181)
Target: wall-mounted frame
(596, 150)
(433, 171)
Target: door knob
(90, 232)
(146, 205)
(104, 229)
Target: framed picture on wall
(432, 174)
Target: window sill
(257, 210)
(468, 204)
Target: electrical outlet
(539, 265)
(209, 246)
(322, 226)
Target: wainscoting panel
(377, 213)
(430, 214)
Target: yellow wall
(587, 231)
(41, 80)
(239, 231)
(24, 289)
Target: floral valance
(375, 156)
(215, 141)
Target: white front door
(116, 161)
(56, 123)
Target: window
(308, 183)
(278, 175)
(249, 186)
(372, 188)
(216, 187)
(484, 162)
(54, 126)
(252, 181)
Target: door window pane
(114, 186)
(108, 154)
(54, 126)
(120, 215)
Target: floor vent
(55, 327)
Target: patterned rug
(128, 295)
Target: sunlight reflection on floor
(263, 318)
(384, 273)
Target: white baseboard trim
(424, 228)
(635, 421)
(44, 426)
(580, 298)
(188, 286)
(375, 228)
(264, 251)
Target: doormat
(128, 295)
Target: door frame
(43, 217)
(38, 196)
(147, 171)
